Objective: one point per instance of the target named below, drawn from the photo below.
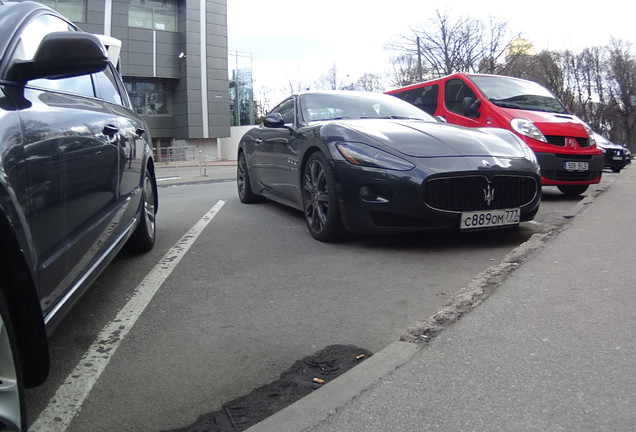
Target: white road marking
(168, 178)
(70, 396)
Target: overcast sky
(299, 40)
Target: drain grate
(305, 376)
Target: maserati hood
(429, 139)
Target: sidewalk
(552, 349)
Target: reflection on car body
(371, 163)
(77, 183)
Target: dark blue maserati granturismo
(370, 163)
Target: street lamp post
(419, 59)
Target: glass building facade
(241, 88)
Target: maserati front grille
(478, 192)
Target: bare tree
(585, 77)
(447, 45)
(332, 80)
(296, 86)
(622, 86)
(262, 105)
(370, 82)
(404, 71)
(544, 68)
(495, 47)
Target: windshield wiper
(398, 117)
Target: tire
(320, 203)
(12, 407)
(572, 190)
(143, 239)
(243, 183)
(617, 169)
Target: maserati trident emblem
(489, 195)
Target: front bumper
(382, 201)
(553, 171)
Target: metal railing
(177, 154)
(188, 155)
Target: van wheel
(572, 190)
(12, 408)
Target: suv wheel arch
(24, 308)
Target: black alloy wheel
(245, 193)
(143, 239)
(572, 190)
(320, 203)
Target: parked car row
(363, 163)
(77, 184)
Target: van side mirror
(470, 107)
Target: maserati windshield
(358, 105)
(517, 94)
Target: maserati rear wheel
(245, 193)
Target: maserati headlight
(527, 128)
(366, 155)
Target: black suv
(77, 183)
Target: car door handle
(110, 130)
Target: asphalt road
(253, 294)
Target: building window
(153, 14)
(149, 97)
(75, 10)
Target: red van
(564, 145)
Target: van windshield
(516, 93)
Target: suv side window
(106, 86)
(455, 90)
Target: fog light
(368, 193)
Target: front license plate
(620, 158)
(577, 166)
(489, 218)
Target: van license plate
(489, 218)
(577, 166)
